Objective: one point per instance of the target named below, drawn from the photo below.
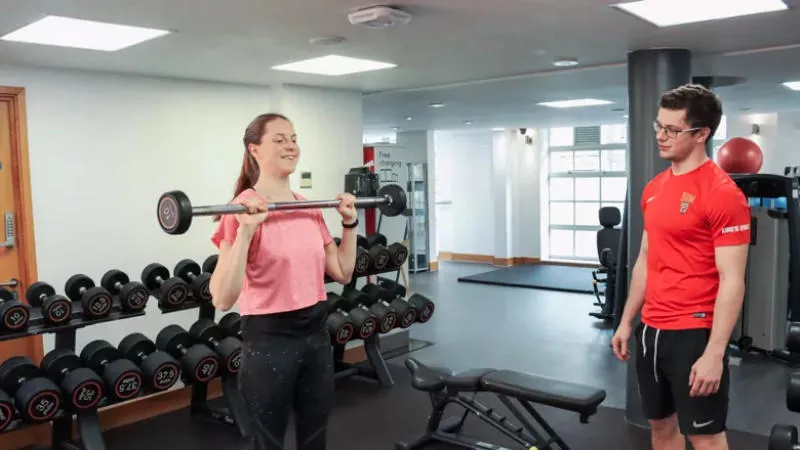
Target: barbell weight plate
(110, 279)
(174, 212)
(782, 437)
(75, 284)
(398, 204)
(37, 291)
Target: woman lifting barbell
(273, 265)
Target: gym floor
(542, 332)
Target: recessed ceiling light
(395, 128)
(326, 41)
(409, 118)
(334, 65)
(665, 13)
(436, 105)
(84, 34)
(575, 103)
(565, 62)
(793, 85)
(467, 122)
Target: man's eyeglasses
(671, 132)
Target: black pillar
(650, 74)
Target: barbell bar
(175, 210)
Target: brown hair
(248, 175)
(703, 107)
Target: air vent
(587, 135)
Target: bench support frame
(448, 430)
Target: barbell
(175, 211)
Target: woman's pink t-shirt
(286, 261)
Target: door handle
(10, 231)
(12, 283)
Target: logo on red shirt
(686, 200)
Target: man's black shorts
(664, 359)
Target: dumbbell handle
(118, 286)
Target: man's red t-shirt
(686, 217)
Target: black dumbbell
(364, 322)
(161, 371)
(783, 437)
(378, 253)
(15, 315)
(363, 259)
(198, 362)
(123, 379)
(228, 348)
(398, 254)
(170, 291)
(424, 306)
(133, 295)
(81, 386)
(384, 315)
(190, 272)
(405, 312)
(56, 309)
(6, 410)
(210, 264)
(95, 300)
(36, 397)
(340, 324)
(232, 323)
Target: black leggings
(281, 373)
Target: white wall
(465, 196)
(488, 192)
(104, 147)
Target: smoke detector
(379, 17)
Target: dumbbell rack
(375, 366)
(199, 406)
(65, 338)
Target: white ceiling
(490, 62)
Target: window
(587, 170)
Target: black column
(650, 74)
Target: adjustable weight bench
(445, 387)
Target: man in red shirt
(688, 280)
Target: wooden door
(17, 261)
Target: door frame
(23, 197)
(26, 243)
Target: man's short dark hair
(703, 108)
